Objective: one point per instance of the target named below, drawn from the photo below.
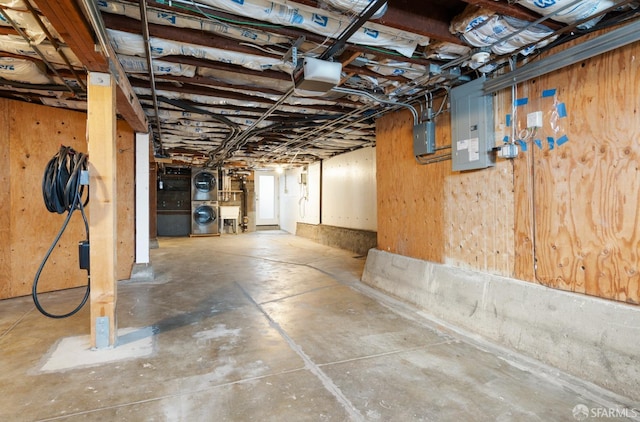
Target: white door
(266, 199)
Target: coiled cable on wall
(63, 191)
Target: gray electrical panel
(471, 127)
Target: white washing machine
(204, 218)
(204, 184)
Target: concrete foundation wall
(357, 241)
(591, 338)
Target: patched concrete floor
(269, 327)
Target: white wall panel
(349, 190)
(298, 202)
(310, 208)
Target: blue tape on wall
(561, 140)
(538, 142)
(548, 93)
(523, 145)
(505, 139)
(508, 120)
(562, 110)
(521, 101)
(551, 142)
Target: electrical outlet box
(83, 254)
(534, 119)
(508, 151)
(84, 177)
(471, 127)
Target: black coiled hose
(63, 191)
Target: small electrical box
(534, 119)
(424, 138)
(471, 127)
(83, 254)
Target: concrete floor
(269, 327)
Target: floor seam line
(301, 293)
(15, 324)
(326, 381)
(167, 396)
(393, 352)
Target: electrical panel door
(471, 127)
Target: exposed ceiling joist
(513, 10)
(225, 71)
(71, 24)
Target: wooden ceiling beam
(184, 35)
(70, 22)
(7, 30)
(295, 33)
(513, 10)
(212, 83)
(342, 106)
(272, 74)
(433, 24)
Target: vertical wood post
(101, 132)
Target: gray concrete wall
(357, 241)
(588, 337)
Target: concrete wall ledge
(593, 339)
(354, 240)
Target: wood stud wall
(567, 218)
(30, 136)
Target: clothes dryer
(204, 184)
(204, 218)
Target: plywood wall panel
(5, 201)
(432, 213)
(587, 191)
(36, 135)
(479, 210)
(479, 219)
(29, 137)
(410, 196)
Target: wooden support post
(101, 132)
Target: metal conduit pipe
(461, 60)
(356, 24)
(606, 42)
(335, 122)
(380, 100)
(560, 31)
(327, 126)
(224, 150)
(147, 50)
(299, 142)
(437, 159)
(35, 48)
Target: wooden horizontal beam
(69, 21)
(513, 10)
